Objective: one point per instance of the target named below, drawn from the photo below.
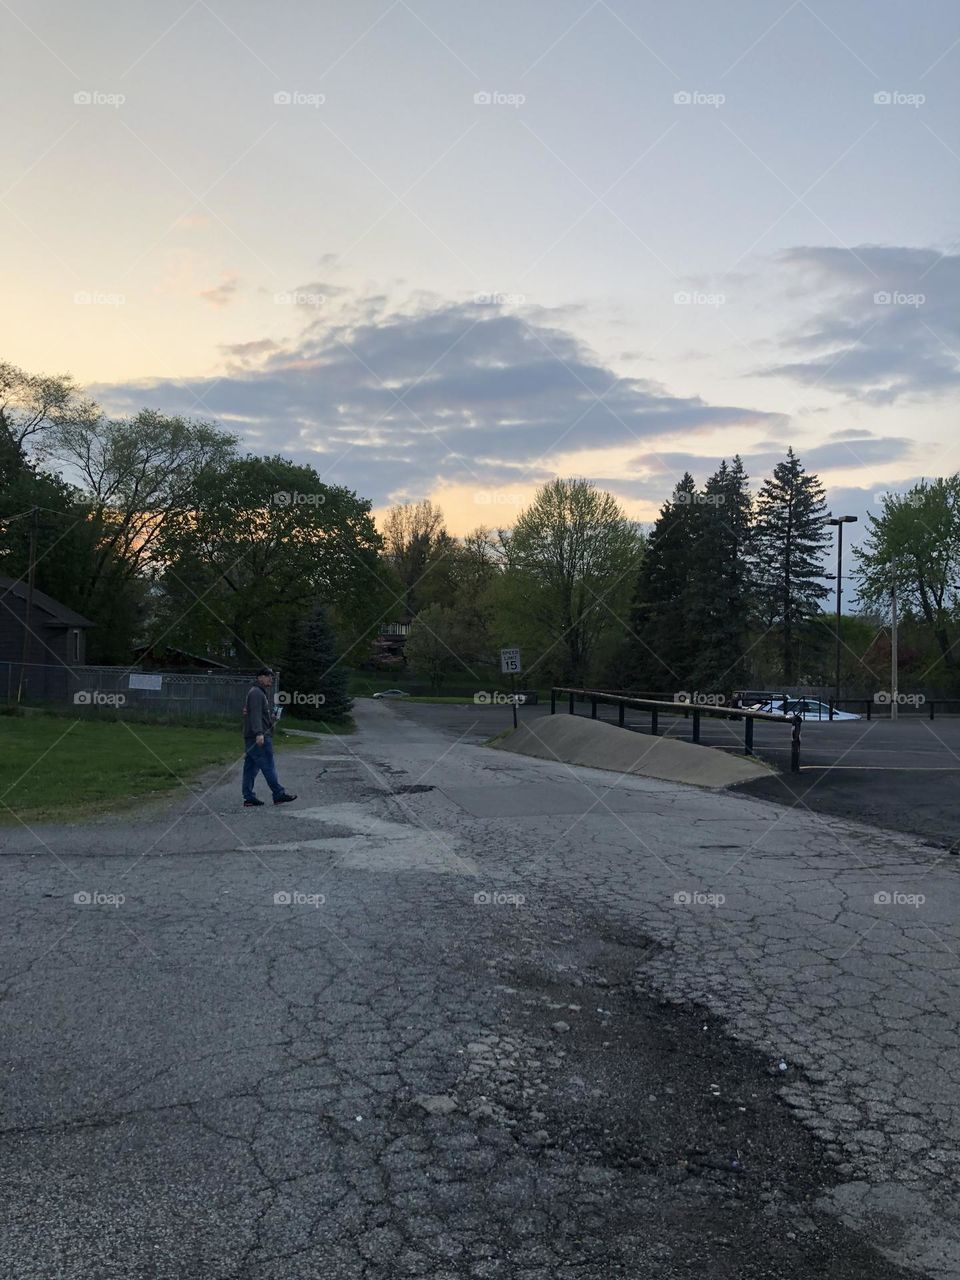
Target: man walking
(258, 722)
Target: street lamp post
(839, 521)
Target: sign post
(510, 665)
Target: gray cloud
(455, 392)
(888, 325)
(221, 294)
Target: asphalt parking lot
(901, 775)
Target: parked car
(806, 708)
(391, 693)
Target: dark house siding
(57, 635)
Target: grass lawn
(57, 767)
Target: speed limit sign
(510, 661)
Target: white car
(806, 708)
(391, 693)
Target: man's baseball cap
(265, 671)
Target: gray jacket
(258, 714)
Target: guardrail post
(695, 736)
(830, 709)
(869, 703)
(655, 721)
(932, 705)
(553, 702)
(621, 708)
(748, 735)
(593, 708)
(570, 702)
(795, 745)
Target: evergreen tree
(719, 599)
(789, 542)
(663, 647)
(314, 681)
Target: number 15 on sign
(510, 661)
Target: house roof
(60, 614)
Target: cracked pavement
(463, 1014)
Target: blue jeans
(259, 760)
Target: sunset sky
(452, 250)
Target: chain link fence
(174, 694)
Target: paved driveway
(461, 1014)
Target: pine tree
(314, 680)
(719, 599)
(662, 645)
(789, 541)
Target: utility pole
(28, 615)
(839, 521)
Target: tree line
(166, 535)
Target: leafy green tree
(313, 676)
(789, 541)
(439, 644)
(418, 549)
(568, 565)
(33, 404)
(915, 541)
(263, 535)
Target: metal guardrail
(905, 707)
(687, 710)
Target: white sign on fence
(510, 661)
(143, 680)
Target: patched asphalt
(456, 1015)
